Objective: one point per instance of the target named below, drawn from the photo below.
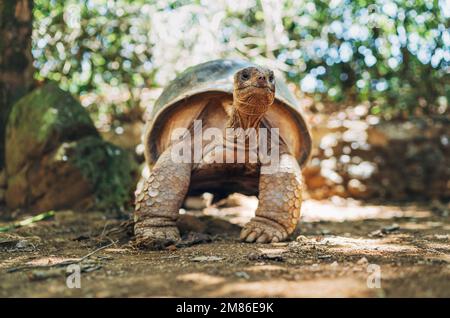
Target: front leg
(158, 203)
(280, 199)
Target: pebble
(243, 275)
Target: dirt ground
(343, 248)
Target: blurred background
(77, 79)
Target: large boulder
(56, 159)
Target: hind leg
(280, 198)
(158, 203)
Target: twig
(93, 252)
(65, 263)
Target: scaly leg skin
(279, 206)
(158, 203)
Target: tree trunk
(16, 61)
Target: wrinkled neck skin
(246, 115)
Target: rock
(55, 157)
(385, 230)
(128, 136)
(391, 228)
(243, 275)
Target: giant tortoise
(205, 134)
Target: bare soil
(338, 251)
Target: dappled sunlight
(265, 268)
(338, 287)
(421, 226)
(200, 279)
(352, 210)
(352, 245)
(335, 210)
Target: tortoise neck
(244, 119)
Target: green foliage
(85, 45)
(393, 54)
(108, 168)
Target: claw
(251, 237)
(263, 238)
(245, 233)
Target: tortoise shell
(182, 101)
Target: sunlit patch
(200, 279)
(420, 226)
(339, 287)
(266, 268)
(313, 210)
(348, 245)
(242, 209)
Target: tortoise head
(254, 89)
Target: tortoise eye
(271, 78)
(245, 76)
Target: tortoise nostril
(261, 77)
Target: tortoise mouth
(264, 87)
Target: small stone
(243, 275)
(391, 228)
